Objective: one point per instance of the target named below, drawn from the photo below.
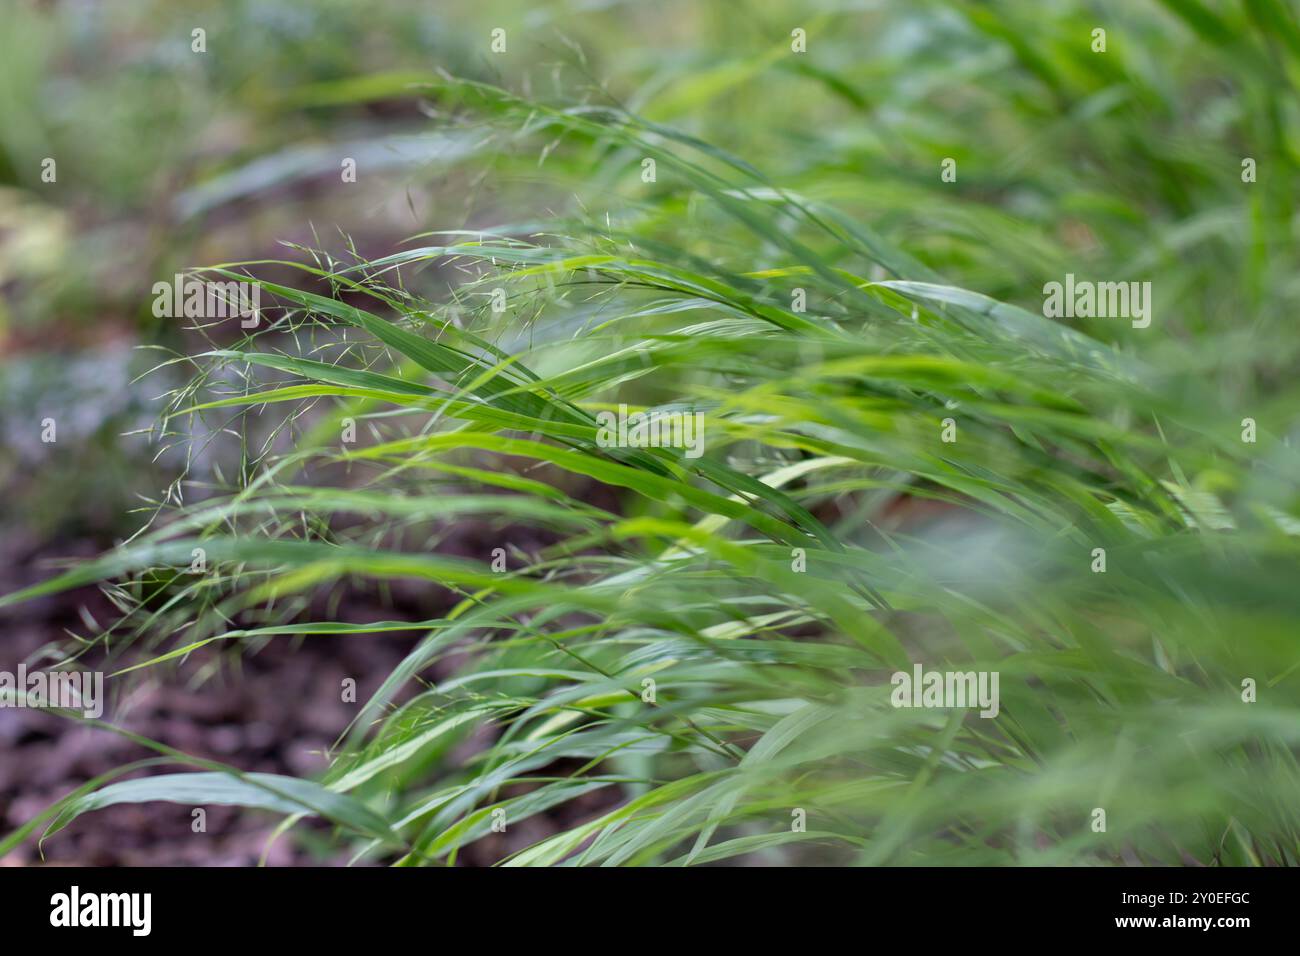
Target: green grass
(829, 536)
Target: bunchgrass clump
(896, 471)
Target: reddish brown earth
(277, 709)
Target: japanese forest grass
(901, 472)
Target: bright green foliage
(829, 536)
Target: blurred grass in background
(1127, 162)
